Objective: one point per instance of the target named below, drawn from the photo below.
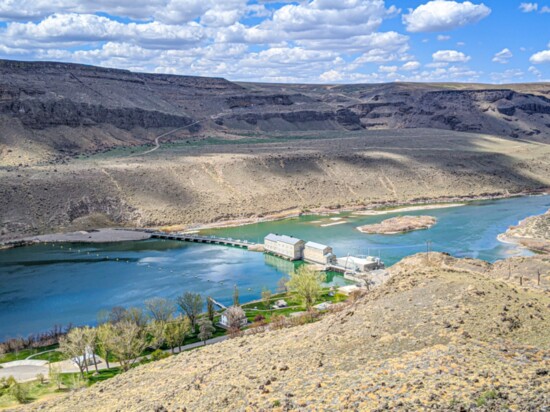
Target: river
(48, 284)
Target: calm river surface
(44, 285)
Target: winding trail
(157, 143)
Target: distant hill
(68, 108)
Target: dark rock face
(107, 107)
(40, 115)
(251, 101)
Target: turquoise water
(45, 285)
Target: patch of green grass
(33, 391)
(93, 377)
(51, 357)
(485, 396)
(25, 353)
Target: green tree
(191, 305)
(156, 336)
(91, 346)
(306, 283)
(127, 341)
(210, 308)
(266, 297)
(74, 346)
(20, 392)
(282, 285)
(176, 331)
(206, 329)
(160, 309)
(103, 336)
(54, 372)
(236, 296)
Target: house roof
(315, 245)
(283, 238)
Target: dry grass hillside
(207, 181)
(441, 335)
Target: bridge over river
(245, 244)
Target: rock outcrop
(399, 224)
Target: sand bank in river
(399, 224)
(407, 209)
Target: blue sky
(313, 41)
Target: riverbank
(370, 209)
(532, 233)
(108, 235)
(92, 236)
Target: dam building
(285, 246)
(318, 253)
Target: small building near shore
(318, 253)
(234, 315)
(359, 264)
(285, 246)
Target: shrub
(259, 318)
(158, 355)
(485, 396)
(356, 294)
(20, 393)
(278, 321)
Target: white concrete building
(236, 313)
(318, 253)
(285, 246)
(358, 264)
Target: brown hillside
(438, 336)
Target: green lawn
(25, 353)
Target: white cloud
(450, 56)
(81, 28)
(410, 66)
(540, 57)
(507, 76)
(444, 15)
(545, 9)
(442, 37)
(388, 69)
(331, 76)
(535, 72)
(503, 56)
(528, 7)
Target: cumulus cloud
(329, 41)
(412, 65)
(528, 7)
(444, 15)
(450, 56)
(503, 56)
(81, 28)
(540, 57)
